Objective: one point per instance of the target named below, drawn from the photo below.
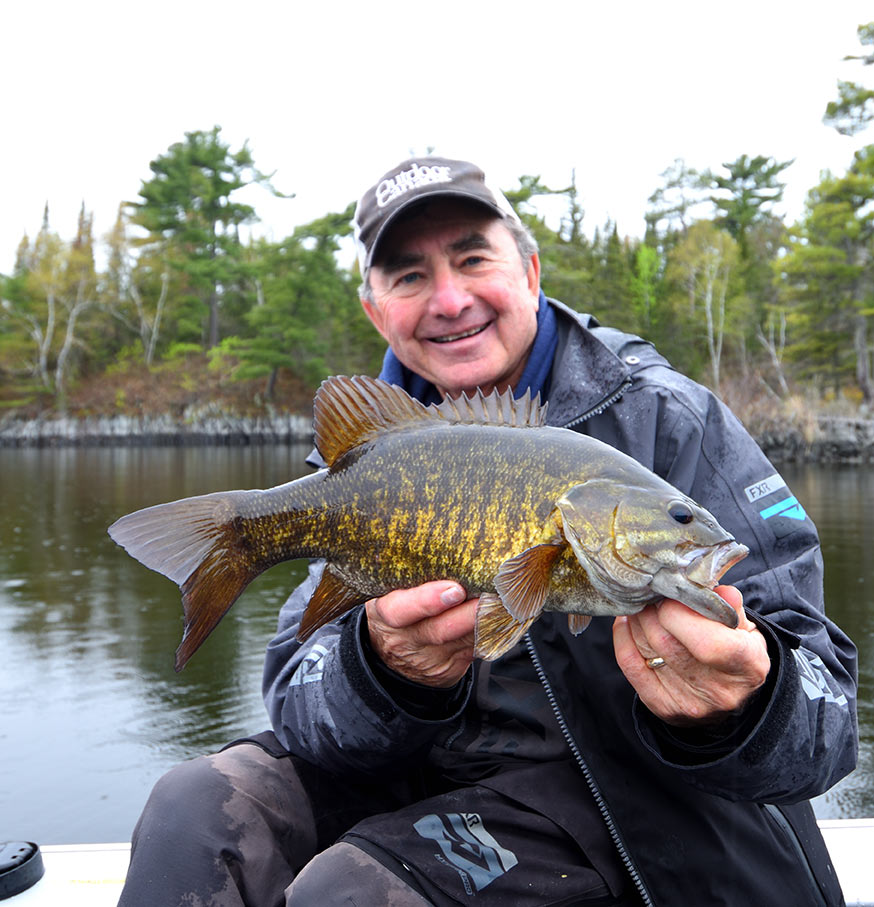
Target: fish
(478, 489)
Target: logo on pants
(466, 845)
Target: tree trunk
(863, 369)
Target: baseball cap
(410, 182)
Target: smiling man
(658, 759)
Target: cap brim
(419, 199)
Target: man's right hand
(425, 633)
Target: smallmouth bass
(478, 490)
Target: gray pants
(245, 827)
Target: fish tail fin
(496, 630)
(200, 543)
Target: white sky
(332, 94)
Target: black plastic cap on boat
(20, 867)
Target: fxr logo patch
(781, 510)
(466, 845)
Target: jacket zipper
(600, 407)
(587, 774)
(601, 803)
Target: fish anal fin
(332, 599)
(522, 581)
(496, 630)
(578, 622)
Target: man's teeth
(448, 338)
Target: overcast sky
(330, 95)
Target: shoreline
(106, 431)
(837, 440)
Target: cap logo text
(414, 178)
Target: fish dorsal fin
(493, 409)
(349, 411)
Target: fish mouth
(706, 567)
(460, 335)
(692, 584)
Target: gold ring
(657, 662)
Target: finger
(650, 635)
(405, 607)
(632, 662)
(628, 655)
(454, 625)
(708, 641)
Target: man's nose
(450, 296)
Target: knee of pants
(191, 792)
(241, 787)
(343, 875)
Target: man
(656, 759)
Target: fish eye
(680, 512)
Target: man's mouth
(449, 338)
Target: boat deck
(91, 875)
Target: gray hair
(525, 243)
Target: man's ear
(533, 276)
(375, 314)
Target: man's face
(453, 299)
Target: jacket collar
(586, 375)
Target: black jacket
(695, 819)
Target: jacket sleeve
(799, 735)
(330, 705)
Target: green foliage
(828, 278)
(702, 270)
(192, 225)
(676, 204)
(747, 190)
(720, 283)
(854, 108)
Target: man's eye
(472, 260)
(407, 279)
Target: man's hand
(710, 671)
(424, 633)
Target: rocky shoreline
(837, 440)
(218, 428)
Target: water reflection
(91, 711)
(839, 499)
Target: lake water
(91, 711)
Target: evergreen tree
(308, 318)
(745, 193)
(854, 108)
(192, 221)
(829, 278)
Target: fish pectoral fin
(496, 631)
(578, 622)
(522, 581)
(332, 599)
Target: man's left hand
(709, 671)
